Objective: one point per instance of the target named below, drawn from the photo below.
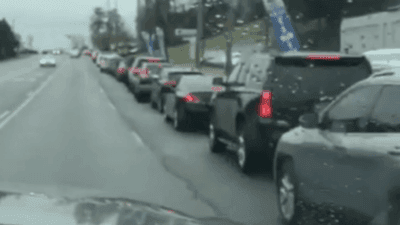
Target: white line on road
(25, 103)
(111, 105)
(4, 114)
(137, 137)
(101, 90)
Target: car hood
(18, 206)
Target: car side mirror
(309, 120)
(320, 106)
(218, 81)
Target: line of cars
(327, 126)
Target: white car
(47, 60)
(383, 59)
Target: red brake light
(323, 57)
(190, 98)
(172, 83)
(264, 108)
(121, 70)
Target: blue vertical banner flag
(151, 43)
(283, 30)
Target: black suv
(266, 94)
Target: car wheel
(215, 145)
(245, 157)
(166, 116)
(287, 194)
(138, 95)
(118, 76)
(160, 104)
(152, 102)
(131, 87)
(180, 118)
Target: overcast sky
(50, 20)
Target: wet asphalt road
(72, 130)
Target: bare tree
(30, 41)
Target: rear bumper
(47, 64)
(144, 88)
(275, 123)
(197, 107)
(199, 112)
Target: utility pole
(200, 26)
(229, 26)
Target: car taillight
(172, 83)
(264, 108)
(121, 70)
(190, 98)
(144, 73)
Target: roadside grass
(250, 34)
(243, 38)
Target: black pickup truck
(266, 94)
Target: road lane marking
(111, 105)
(137, 137)
(18, 79)
(26, 102)
(4, 114)
(101, 90)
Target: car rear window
(301, 79)
(156, 68)
(176, 76)
(195, 82)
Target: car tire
(167, 118)
(118, 76)
(180, 120)
(215, 145)
(246, 157)
(287, 198)
(160, 105)
(138, 95)
(131, 87)
(152, 102)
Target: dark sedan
(168, 78)
(187, 103)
